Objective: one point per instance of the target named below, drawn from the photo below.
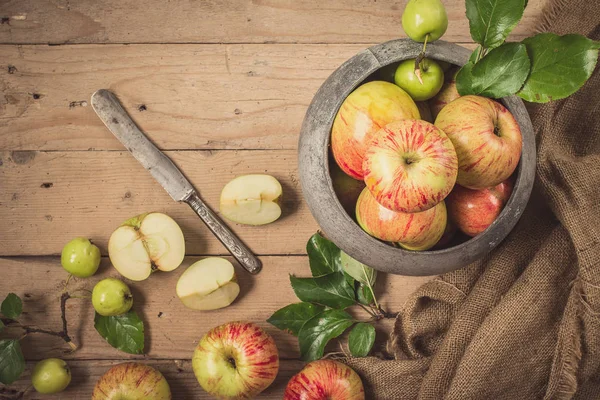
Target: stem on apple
(420, 58)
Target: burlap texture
(524, 323)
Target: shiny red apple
(325, 380)
(473, 211)
(487, 139)
(410, 166)
(412, 231)
(367, 109)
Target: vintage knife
(116, 119)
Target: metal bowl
(337, 225)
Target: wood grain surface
(222, 21)
(222, 86)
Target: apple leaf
(123, 332)
(364, 295)
(490, 21)
(329, 290)
(361, 339)
(12, 362)
(500, 73)
(12, 306)
(464, 79)
(323, 256)
(319, 330)
(357, 270)
(292, 317)
(560, 65)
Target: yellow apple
(366, 110)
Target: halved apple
(146, 243)
(208, 284)
(251, 199)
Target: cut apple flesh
(251, 199)
(146, 243)
(208, 284)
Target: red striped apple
(132, 380)
(237, 360)
(367, 109)
(410, 166)
(447, 94)
(324, 380)
(412, 231)
(487, 139)
(473, 211)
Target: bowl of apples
(407, 183)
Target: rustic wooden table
(222, 87)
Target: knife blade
(165, 172)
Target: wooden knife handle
(235, 246)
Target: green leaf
(12, 362)
(124, 332)
(464, 79)
(12, 306)
(323, 256)
(490, 21)
(359, 271)
(330, 290)
(364, 295)
(291, 318)
(319, 330)
(361, 339)
(500, 73)
(560, 65)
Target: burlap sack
(524, 323)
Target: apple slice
(146, 243)
(208, 284)
(251, 199)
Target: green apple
(432, 76)
(111, 296)
(80, 257)
(146, 243)
(424, 19)
(237, 360)
(251, 199)
(51, 375)
(208, 284)
(132, 381)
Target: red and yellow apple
(324, 380)
(473, 211)
(412, 231)
(132, 380)
(447, 94)
(487, 139)
(237, 360)
(347, 189)
(366, 110)
(410, 166)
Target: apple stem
(420, 58)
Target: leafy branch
(539, 69)
(338, 282)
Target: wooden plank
(193, 96)
(223, 21)
(178, 373)
(47, 198)
(172, 330)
